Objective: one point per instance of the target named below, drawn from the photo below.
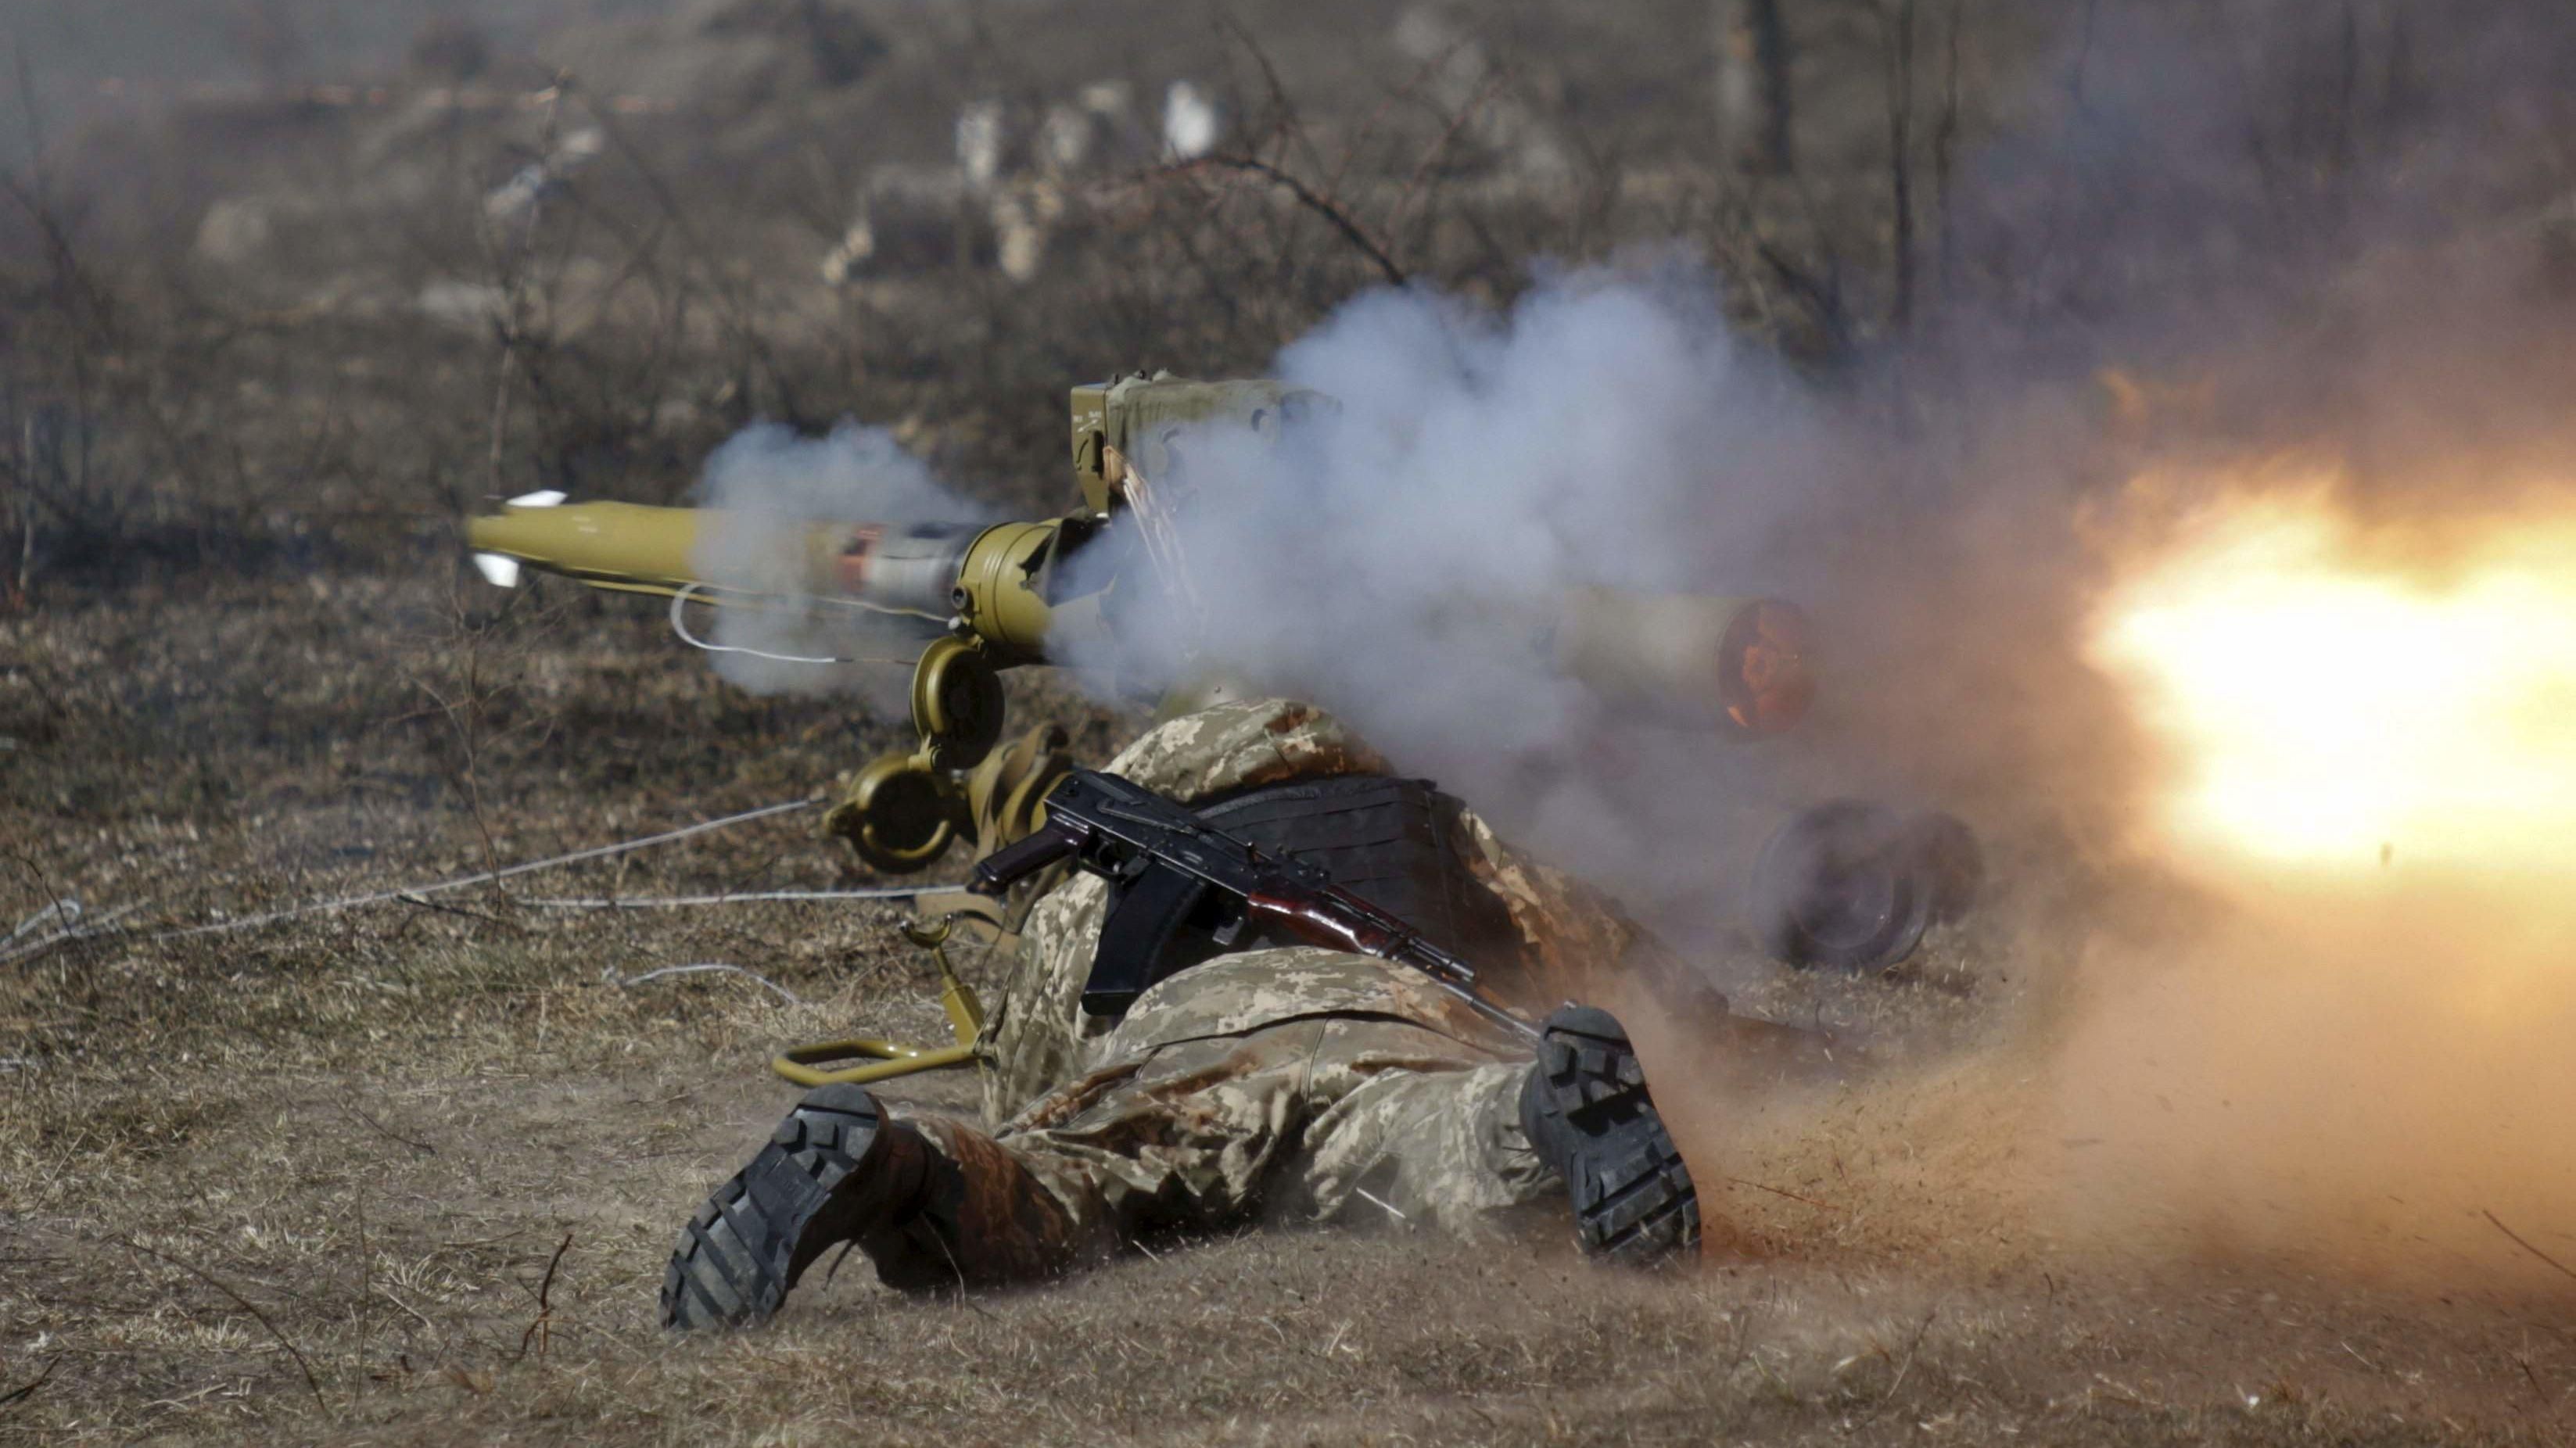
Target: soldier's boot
(1587, 1111)
(985, 1219)
(932, 1204)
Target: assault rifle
(1169, 867)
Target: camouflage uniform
(1292, 1083)
(1286, 1083)
(1037, 1036)
(1301, 1084)
(1305, 1083)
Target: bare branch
(541, 1331)
(1306, 196)
(245, 1304)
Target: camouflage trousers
(1248, 1089)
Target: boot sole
(1634, 1200)
(756, 1234)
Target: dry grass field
(407, 1172)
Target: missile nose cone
(613, 545)
(531, 534)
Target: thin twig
(444, 908)
(1306, 196)
(1775, 1191)
(366, 1274)
(1887, 1399)
(2083, 57)
(311, 1382)
(31, 114)
(507, 329)
(1368, 128)
(27, 1390)
(1440, 149)
(540, 1331)
(2526, 1246)
(1945, 146)
(387, 1293)
(464, 722)
(1288, 123)
(1900, 128)
(388, 1133)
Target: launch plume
(762, 484)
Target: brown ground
(409, 1173)
(307, 1182)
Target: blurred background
(315, 229)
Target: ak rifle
(1167, 866)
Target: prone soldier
(1271, 1081)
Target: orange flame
(2329, 695)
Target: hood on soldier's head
(1243, 743)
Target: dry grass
(408, 1174)
(351, 1146)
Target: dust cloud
(2367, 1079)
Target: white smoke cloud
(1401, 559)
(765, 485)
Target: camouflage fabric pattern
(1241, 744)
(1218, 1109)
(1037, 1037)
(1233, 995)
(1571, 933)
(1035, 1033)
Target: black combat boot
(836, 1170)
(934, 1204)
(1587, 1112)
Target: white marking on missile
(498, 569)
(543, 498)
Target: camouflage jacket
(1037, 1036)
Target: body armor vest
(1388, 841)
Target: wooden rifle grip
(1319, 926)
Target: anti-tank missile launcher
(928, 578)
(963, 601)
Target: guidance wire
(70, 909)
(680, 626)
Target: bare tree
(1753, 92)
(1945, 146)
(1899, 20)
